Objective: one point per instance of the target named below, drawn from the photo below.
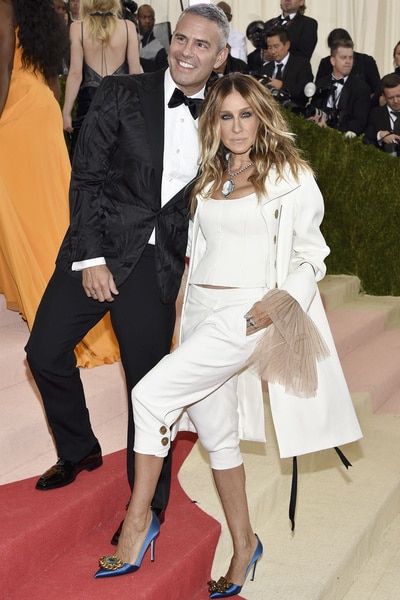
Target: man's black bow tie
(178, 98)
(338, 80)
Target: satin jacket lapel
(151, 93)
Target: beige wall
(373, 24)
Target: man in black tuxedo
(342, 99)
(383, 128)
(287, 73)
(364, 66)
(124, 251)
(302, 30)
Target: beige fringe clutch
(289, 350)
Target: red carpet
(51, 541)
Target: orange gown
(34, 180)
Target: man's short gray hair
(212, 13)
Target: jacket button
(276, 213)
(274, 239)
(163, 430)
(164, 441)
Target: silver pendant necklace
(229, 185)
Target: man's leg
(144, 327)
(64, 316)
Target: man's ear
(222, 56)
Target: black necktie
(396, 114)
(193, 104)
(279, 71)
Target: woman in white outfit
(257, 254)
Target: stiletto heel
(224, 588)
(111, 566)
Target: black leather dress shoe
(65, 471)
(159, 512)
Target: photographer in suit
(364, 66)
(342, 100)
(383, 128)
(287, 74)
(302, 30)
(256, 34)
(124, 251)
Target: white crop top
(236, 243)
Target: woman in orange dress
(34, 164)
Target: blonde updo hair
(101, 16)
(273, 147)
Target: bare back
(106, 58)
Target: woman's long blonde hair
(101, 16)
(273, 147)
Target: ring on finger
(250, 320)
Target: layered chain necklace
(229, 185)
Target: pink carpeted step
(352, 329)
(7, 317)
(51, 541)
(13, 367)
(375, 367)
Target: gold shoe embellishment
(111, 563)
(222, 585)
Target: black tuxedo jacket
(254, 60)
(296, 74)
(115, 192)
(364, 68)
(353, 104)
(302, 32)
(379, 120)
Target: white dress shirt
(238, 44)
(180, 159)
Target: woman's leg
(138, 516)
(231, 489)
(219, 436)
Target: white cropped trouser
(200, 376)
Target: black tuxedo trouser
(143, 326)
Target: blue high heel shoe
(111, 566)
(224, 588)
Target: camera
(284, 98)
(258, 36)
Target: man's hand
(389, 138)
(276, 83)
(257, 318)
(99, 284)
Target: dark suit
(233, 65)
(364, 67)
(115, 199)
(379, 120)
(254, 60)
(302, 32)
(352, 106)
(296, 74)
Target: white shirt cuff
(90, 262)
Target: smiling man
(124, 251)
